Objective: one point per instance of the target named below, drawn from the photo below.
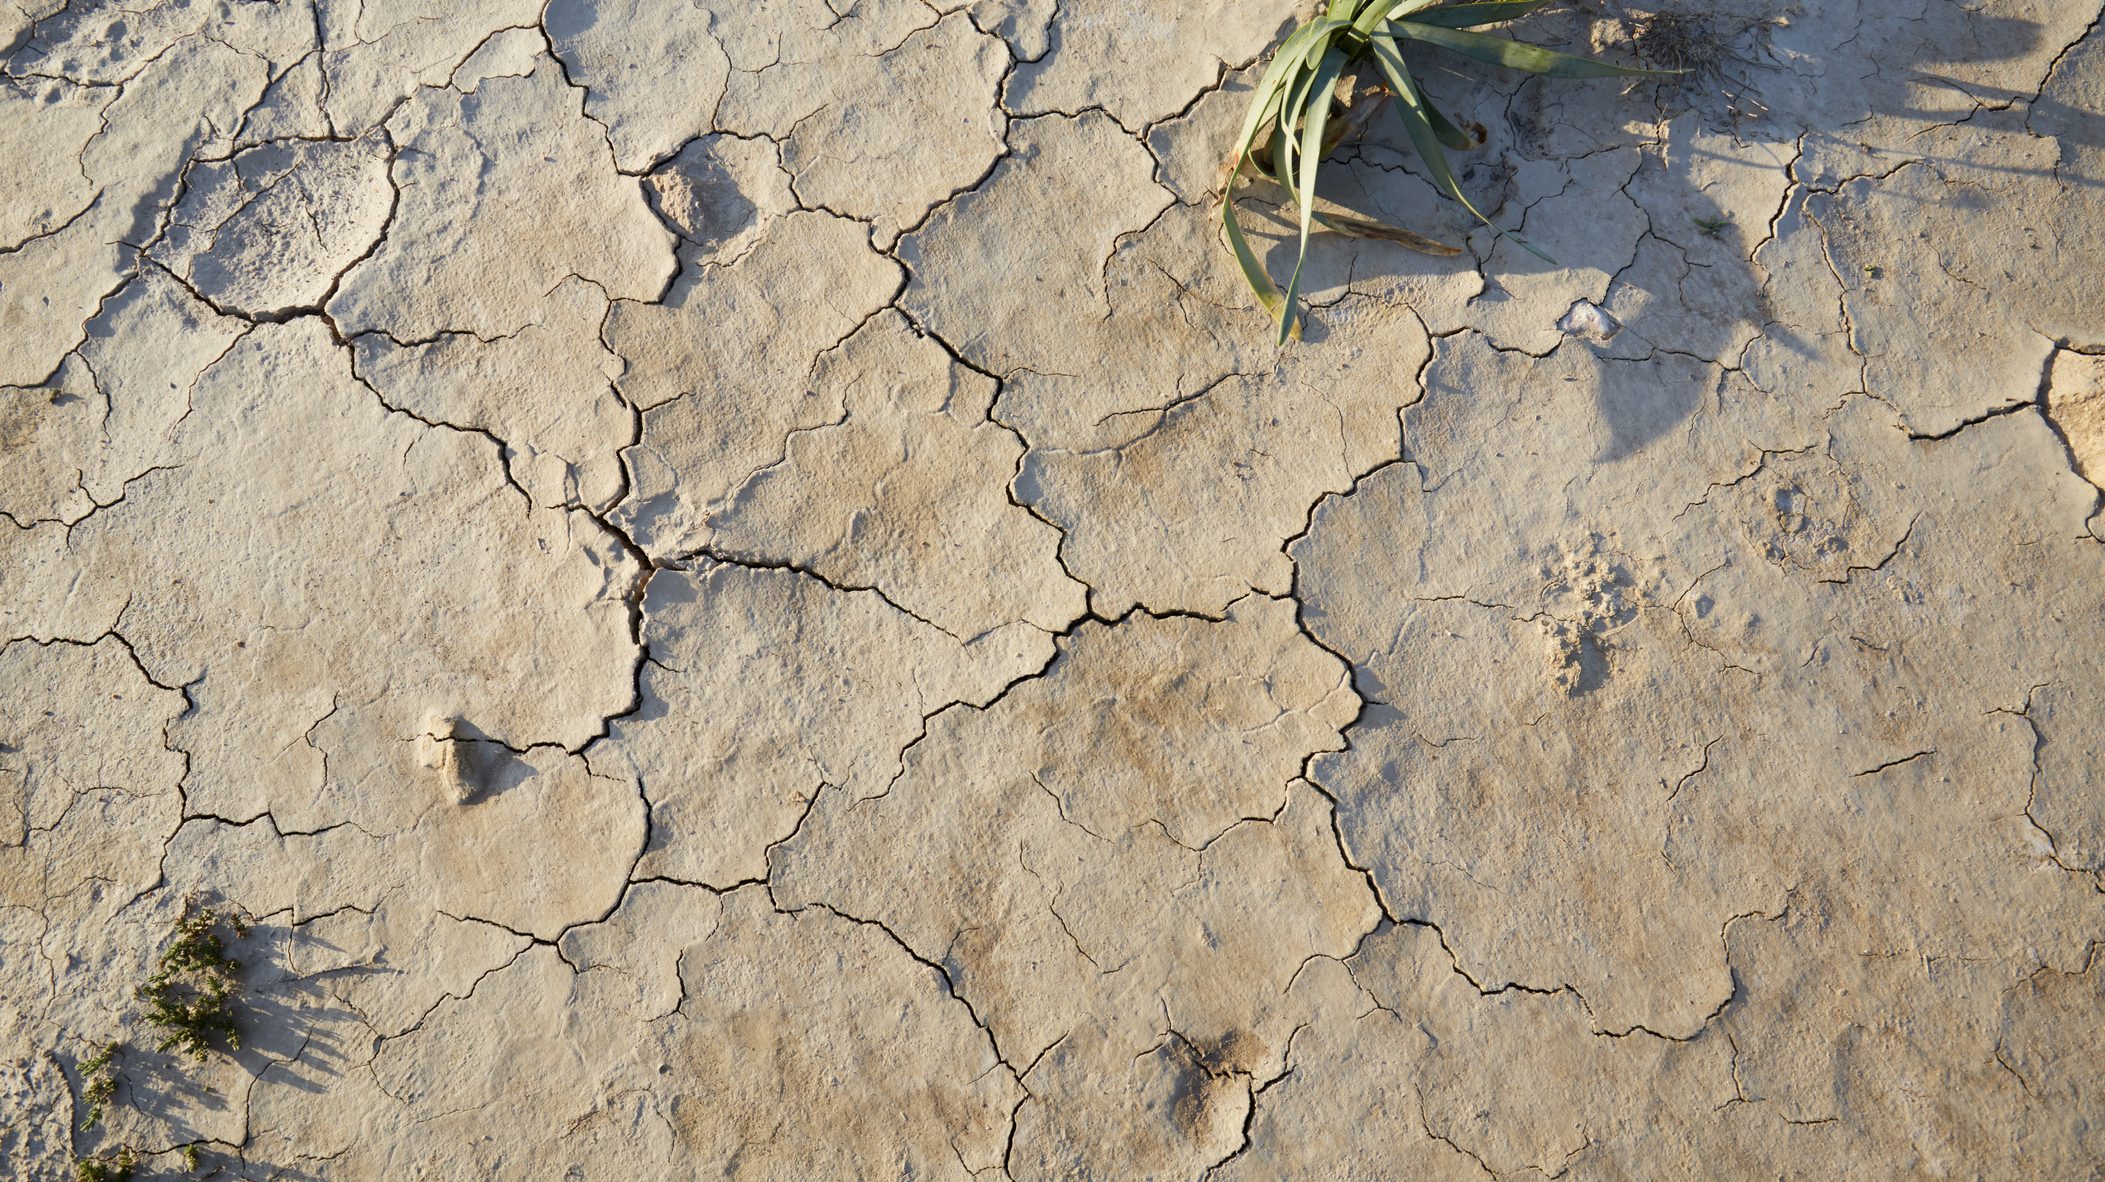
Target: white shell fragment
(1589, 320)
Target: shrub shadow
(1691, 285)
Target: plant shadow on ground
(1688, 283)
(290, 1025)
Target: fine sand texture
(741, 590)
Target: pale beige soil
(741, 592)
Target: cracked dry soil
(739, 591)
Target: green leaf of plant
(1505, 51)
(1311, 154)
(1469, 16)
(1293, 114)
(1268, 103)
(1323, 34)
(1294, 96)
(1264, 104)
(1264, 98)
(1460, 139)
(1379, 12)
(1411, 108)
(1261, 284)
(1314, 122)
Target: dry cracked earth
(739, 591)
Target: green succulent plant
(1292, 124)
(192, 997)
(115, 1167)
(98, 1073)
(192, 993)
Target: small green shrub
(1290, 126)
(98, 1074)
(114, 1167)
(191, 996)
(193, 991)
